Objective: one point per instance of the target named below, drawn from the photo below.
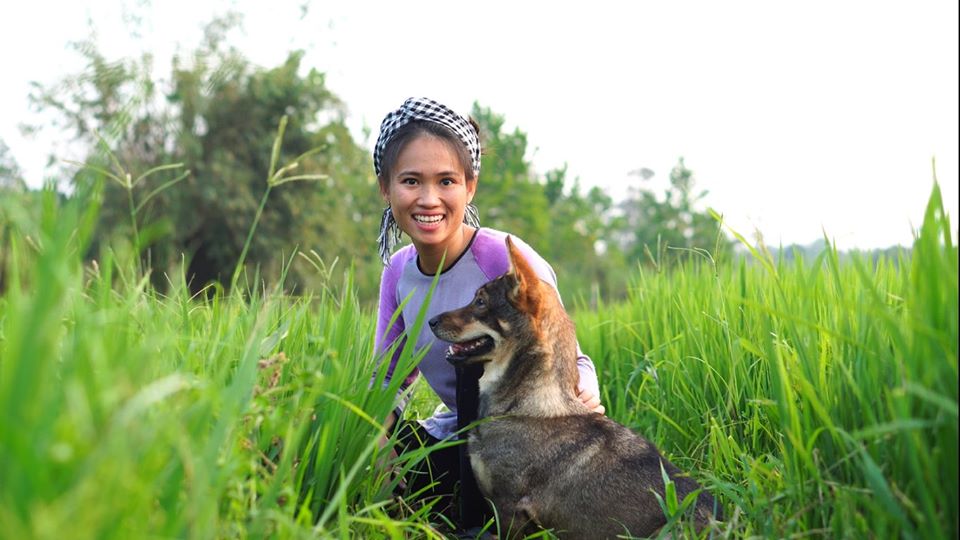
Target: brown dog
(538, 453)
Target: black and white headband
(430, 111)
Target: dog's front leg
(519, 519)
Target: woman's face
(428, 192)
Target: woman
(427, 160)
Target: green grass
(814, 398)
(125, 413)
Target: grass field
(816, 398)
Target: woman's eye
(448, 182)
(408, 181)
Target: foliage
(815, 397)
(561, 223)
(509, 196)
(125, 413)
(586, 236)
(11, 178)
(649, 226)
(217, 117)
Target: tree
(661, 230)
(592, 268)
(217, 115)
(564, 226)
(11, 178)
(509, 197)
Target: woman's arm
(390, 325)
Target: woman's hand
(390, 455)
(591, 401)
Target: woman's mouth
(426, 220)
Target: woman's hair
(417, 128)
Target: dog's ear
(525, 293)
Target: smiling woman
(427, 160)
(428, 192)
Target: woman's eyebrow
(417, 172)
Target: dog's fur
(539, 454)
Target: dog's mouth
(469, 349)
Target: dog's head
(502, 309)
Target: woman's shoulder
(398, 260)
(490, 251)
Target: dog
(538, 453)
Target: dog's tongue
(457, 349)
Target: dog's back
(538, 453)
(584, 476)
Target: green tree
(217, 115)
(564, 225)
(509, 196)
(592, 267)
(11, 178)
(661, 230)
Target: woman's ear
(384, 189)
(471, 189)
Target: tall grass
(126, 413)
(814, 398)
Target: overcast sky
(798, 117)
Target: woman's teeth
(427, 219)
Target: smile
(427, 219)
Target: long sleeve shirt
(484, 259)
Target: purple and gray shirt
(484, 259)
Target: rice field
(817, 398)
(814, 398)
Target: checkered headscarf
(431, 111)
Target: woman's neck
(429, 257)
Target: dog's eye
(480, 302)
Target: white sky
(796, 116)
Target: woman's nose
(429, 196)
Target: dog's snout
(434, 322)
